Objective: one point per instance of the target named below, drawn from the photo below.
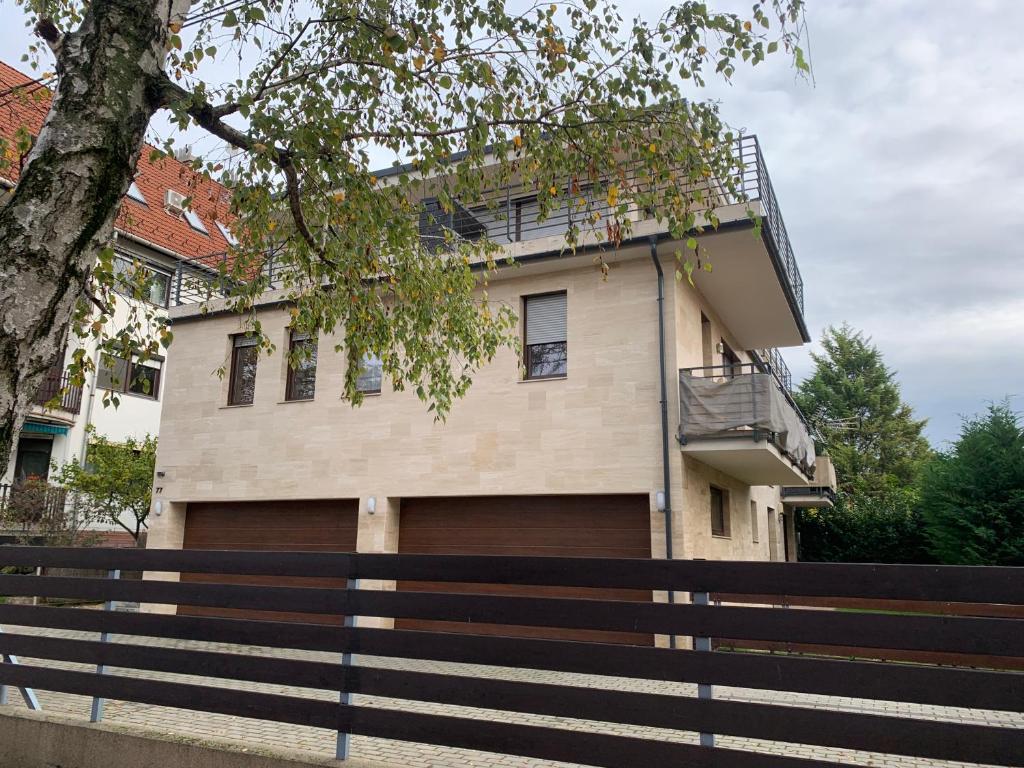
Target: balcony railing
(743, 401)
(58, 386)
(31, 505)
(816, 491)
(770, 361)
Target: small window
(302, 367)
(371, 373)
(136, 194)
(135, 376)
(244, 355)
(232, 240)
(719, 512)
(194, 221)
(754, 533)
(545, 326)
(155, 284)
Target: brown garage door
(573, 526)
(293, 526)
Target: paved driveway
(268, 734)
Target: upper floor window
(545, 342)
(154, 283)
(194, 221)
(136, 194)
(302, 370)
(371, 373)
(135, 376)
(228, 234)
(242, 385)
(719, 512)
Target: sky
(900, 174)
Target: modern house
(562, 452)
(174, 244)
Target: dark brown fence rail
(996, 634)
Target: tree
(566, 98)
(115, 483)
(973, 496)
(879, 529)
(854, 402)
(878, 449)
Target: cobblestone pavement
(321, 742)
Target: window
(136, 194)
(194, 221)
(232, 240)
(545, 324)
(719, 512)
(135, 377)
(244, 354)
(139, 280)
(371, 373)
(753, 521)
(302, 377)
(731, 365)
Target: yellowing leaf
(439, 54)
(613, 195)
(653, 148)
(419, 62)
(553, 191)
(518, 141)
(339, 196)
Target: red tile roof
(150, 221)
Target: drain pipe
(666, 473)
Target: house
(174, 245)
(563, 452)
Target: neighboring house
(560, 453)
(176, 245)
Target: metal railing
(769, 360)
(28, 506)
(57, 388)
(511, 213)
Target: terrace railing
(58, 389)
(821, 722)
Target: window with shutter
(545, 342)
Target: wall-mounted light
(158, 508)
(659, 501)
(371, 505)
(720, 347)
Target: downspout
(665, 469)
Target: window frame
(233, 378)
(528, 349)
(723, 494)
(123, 387)
(295, 338)
(369, 356)
(152, 269)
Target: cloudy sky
(900, 172)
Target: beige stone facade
(595, 431)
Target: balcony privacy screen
(711, 407)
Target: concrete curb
(42, 740)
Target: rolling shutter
(545, 319)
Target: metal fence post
(344, 741)
(96, 714)
(704, 690)
(28, 694)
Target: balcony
(741, 420)
(57, 397)
(819, 493)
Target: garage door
(295, 526)
(573, 526)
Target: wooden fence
(808, 724)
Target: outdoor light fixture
(659, 501)
(158, 508)
(371, 505)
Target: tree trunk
(62, 211)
